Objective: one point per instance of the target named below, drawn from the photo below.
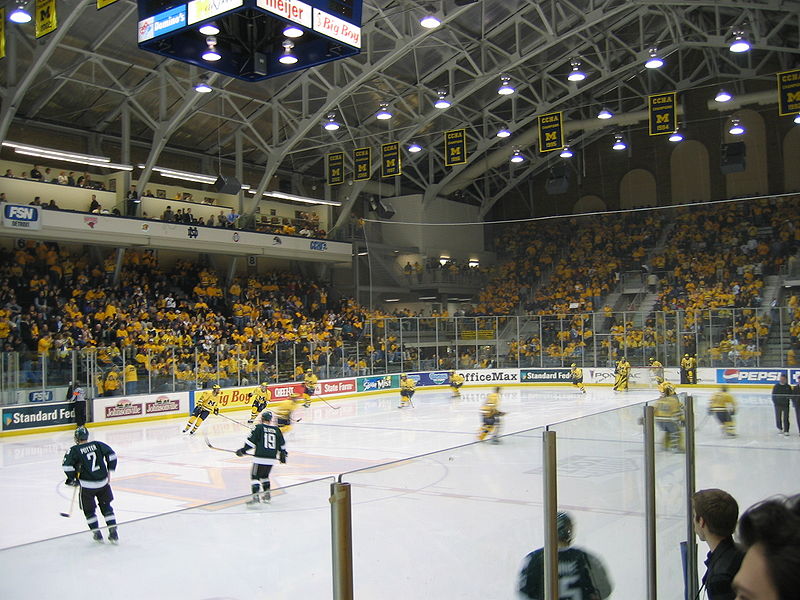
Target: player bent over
(456, 381)
(309, 384)
(283, 412)
(576, 374)
(407, 390)
(88, 464)
(621, 374)
(669, 416)
(207, 403)
(261, 398)
(269, 449)
(723, 406)
(490, 417)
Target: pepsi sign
(751, 376)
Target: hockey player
(407, 389)
(688, 369)
(207, 403)
(669, 417)
(581, 575)
(723, 406)
(88, 464)
(456, 381)
(309, 383)
(621, 374)
(576, 374)
(490, 417)
(261, 398)
(656, 368)
(283, 412)
(269, 448)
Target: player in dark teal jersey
(88, 465)
(269, 448)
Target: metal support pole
(650, 500)
(691, 545)
(550, 491)
(341, 541)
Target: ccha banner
(2, 32)
(335, 168)
(663, 113)
(46, 20)
(551, 132)
(104, 3)
(455, 147)
(362, 164)
(789, 93)
(390, 160)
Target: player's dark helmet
(564, 527)
(266, 416)
(81, 434)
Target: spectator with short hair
(714, 513)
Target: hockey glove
(72, 482)
(241, 452)
(216, 411)
(282, 456)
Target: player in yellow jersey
(656, 368)
(621, 374)
(283, 412)
(309, 383)
(207, 403)
(456, 381)
(261, 398)
(723, 406)
(686, 368)
(407, 389)
(576, 374)
(490, 417)
(669, 417)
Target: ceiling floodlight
(605, 114)
(383, 112)
(736, 127)
(414, 147)
(517, 156)
(331, 124)
(202, 86)
(19, 14)
(288, 57)
(292, 31)
(430, 21)
(211, 54)
(442, 102)
(619, 142)
(566, 152)
(739, 43)
(576, 74)
(505, 88)
(676, 136)
(209, 29)
(654, 61)
(473, 263)
(797, 118)
(503, 132)
(443, 260)
(723, 96)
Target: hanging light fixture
(576, 74)
(19, 14)
(797, 118)
(414, 147)
(430, 21)
(383, 112)
(503, 132)
(331, 124)
(505, 88)
(739, 43)
(211, 54)
(292, 31)
(619, 142)
(517, 156)
(209, 29)
(723, 96)
(676, 136)
(604, 114)
(288, 57)
(654, 61)
(566, 152)
(202, 86)
(441, 101)
(736, 127)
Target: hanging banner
(335, 168)
(45, 17)
(663, 113)
(789, 93)
(390, 160)
(551, 132)
(455, 147)
(362, 163)
(2, 32)
(104, 3)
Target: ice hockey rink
(453, 524)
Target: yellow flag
(45, 17)
(2, 32)
(103, 3)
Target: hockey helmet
(652, 359)
(215, 387)
(308, 371)
(573, 365)
(403, 375)
(266, 416)
(81, 434)
(564, 527)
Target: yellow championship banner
(362, 164)
(335, 168)
(46, 21)
(390, 160)
(455, 147)
(104, 3)
(663, 113)
(789, 93)
(551, 132)
(2, 32)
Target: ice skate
(97, 536)
(113, 536)
(266, 498)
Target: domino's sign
(20, 216)
(162, 23)
(763, 376)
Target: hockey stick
(233, 421)
(72, 503)
(213, 447)
(331, 405)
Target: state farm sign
(342, 386)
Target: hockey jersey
(581, 576)
(90, 463)
(267, 442)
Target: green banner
(455, 147)
(390, 160)
(335, 168)
(378, 382)
(362, 163)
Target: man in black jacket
(715, 513)
(781, 392)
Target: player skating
(576, 374)
(723, 406)
(490, 417)
(456, 381)
(309, 384)
(621, 374)
(88, 464)
(206, 404)
(656, 369)
(407, 389)
(669, 416)
(283, 412)
(269, 448)
(261, 398)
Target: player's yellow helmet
(652, 359)
(308, 370)
(573, 365)
(215, 387)
(402, 375)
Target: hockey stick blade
(213, 447)
(233, 421)
(331, 405)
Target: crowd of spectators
(47, 175)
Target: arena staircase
(771, 352)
